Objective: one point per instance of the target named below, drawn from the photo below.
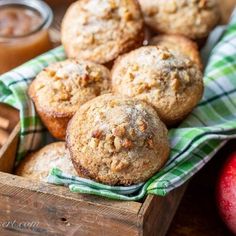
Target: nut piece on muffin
(192, 18)
(168, 80)
(37, 165)
(100, 30)
(179, 43)
(60, 89)
(117, 141)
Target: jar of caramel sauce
(24, 31)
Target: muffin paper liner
(193, 143)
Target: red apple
(226, 193)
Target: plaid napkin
(193, 143)
(13, 91)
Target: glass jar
(24, 31)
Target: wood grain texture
(10, 114)
(197, 214)
(158, 212)
(8, 151)
(13, 181)
(60, 212)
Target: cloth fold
(193, 143)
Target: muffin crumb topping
(127, 144)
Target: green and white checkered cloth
(193, 143)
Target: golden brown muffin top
(192, 18)
(100, 30)
(117, 141)
(38, 165)
(165, 78)
(64, 86)
(179, 43)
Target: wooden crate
(34, 208)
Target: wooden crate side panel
(158, 212)
(58, 215)
(59, 191)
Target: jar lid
(38, 6)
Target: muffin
(100, 30)
(168, 80)
(60, 89)
(181, 44)
(117, 141)
(38, 165)
(192, 18)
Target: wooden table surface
(197, 214)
